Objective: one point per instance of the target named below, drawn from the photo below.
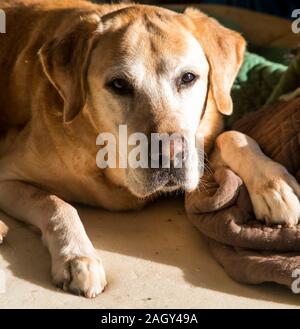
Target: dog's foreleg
(75, 263)
(273, 191)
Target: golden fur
(55, 60)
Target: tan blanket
(248, 250)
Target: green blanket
(265, 75)
(260, 82)
(289, 81)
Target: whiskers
(206, 182)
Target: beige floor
(153, 258)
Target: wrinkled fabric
(249, 250)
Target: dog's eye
(121, 86)
(187, 77)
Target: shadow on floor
(160, 233)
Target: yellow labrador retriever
(72, 69)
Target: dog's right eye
(121, 86)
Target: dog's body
(54, 104)
(30, 111)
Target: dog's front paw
(81, 275)
(3, 231)
(275, 196)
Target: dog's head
(154, 71)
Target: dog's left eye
(187, 77)
(121, 86)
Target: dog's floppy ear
(65, 62)
(224, 50)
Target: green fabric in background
(254, 85)
(261, 82)
(288, 82)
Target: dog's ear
(65, 61)
(224, 50)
